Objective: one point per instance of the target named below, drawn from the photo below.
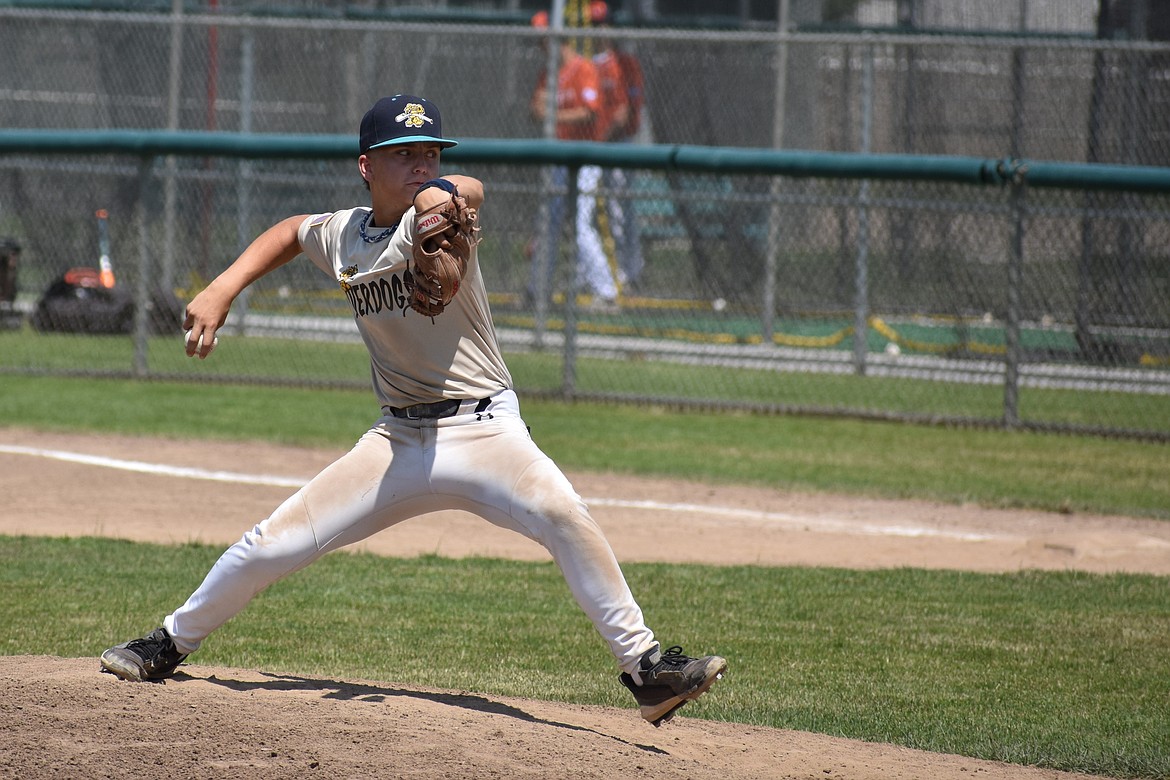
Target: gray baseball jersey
(410, 356)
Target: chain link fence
(843, 295)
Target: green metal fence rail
(662, 157)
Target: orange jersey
(632, 84)
(577, 87)
(614, 100)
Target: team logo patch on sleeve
(319, 220)
(345, 275)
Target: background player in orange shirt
(622, 98)
(578, 111)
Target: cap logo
(413, 116)
(402, 119)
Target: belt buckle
(413, 412)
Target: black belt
(434, 411)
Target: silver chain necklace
(375, 239)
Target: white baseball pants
(484, 463)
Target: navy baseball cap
(402, 119)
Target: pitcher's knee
(262, 548)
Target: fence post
(861, 267)
(170, 193)
(569, 369)
(1015, 274)
(772, 250)
(244, 170)
(142, 303)
(547, 248)
(544, 250)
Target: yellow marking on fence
(879, 325)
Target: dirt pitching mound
(61, 718)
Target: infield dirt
(60, 718)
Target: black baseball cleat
(153, 657)
(670, 680)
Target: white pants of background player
(623, 226)
(592, 264)
(484, 463)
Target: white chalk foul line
(803, 522)
(159, 469)
(799, 522)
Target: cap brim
(414, 139)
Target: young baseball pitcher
(450, 435)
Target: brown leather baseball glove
(444, 235)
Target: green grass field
(303, 363)
(1062, 670)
